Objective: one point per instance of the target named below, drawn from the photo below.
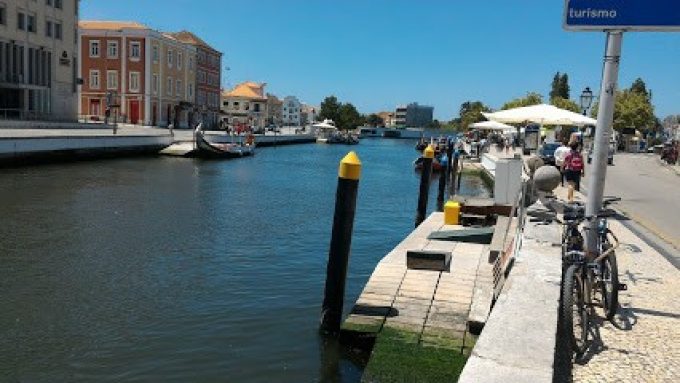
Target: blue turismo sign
(627, 15)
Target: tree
(632, 109)
(531, 98)
(471, 112)
(564, 86)
(330, 108)
(566, 104)
(560, 86)
(374, 120)
(348, 117)
(435, 124)
(640, 87)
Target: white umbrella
(541, 114)
(491, 125)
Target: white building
(309, 114)
(291, 111)
(38, 59)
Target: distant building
(141, 75)
(413, 115)
(309, 114)
(389, 118)
(291, 111)
(274, 110)
(245, 105)
(207, 77)
(39, 59)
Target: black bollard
(428, 156)
(454, 174)
(341, 239)
(460, 173)
(442, 187)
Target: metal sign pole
(605, 117)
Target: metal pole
(605, 117)
(442, 186)
(426, 173)
(341, 238)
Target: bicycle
(583, 275)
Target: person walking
(560, 154)
(573, 169)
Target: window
(21, 21)
(2, 15)
(154, 51)
(135, 50)
(48, 28)
(169, 58)
(31, 23)
(94, 46)
(191, 63)
(179, 60)
(57, 4)
(154, 84)
(169, 90)
(236, 105)
(112, 49)
(178, 88)
(134, 82)
(94, 79)
(190, 90)
(48, 2)
(57, 32)
(111, 79)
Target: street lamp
(586, 100)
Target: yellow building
(245, 105)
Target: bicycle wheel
(609, 284)
(574, 311)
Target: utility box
(508, 181)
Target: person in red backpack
(573, 168)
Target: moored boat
(206, 149)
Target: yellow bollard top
(428, 152)
(350, 167)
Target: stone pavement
(642, 343)
(433, 304)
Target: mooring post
(341, 239)
(442, 186)
(454, 173)
(428, 156)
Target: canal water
(180, 270)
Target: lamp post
(586, 100)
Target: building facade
(38, 59)
(135, 75)
(291, 111)
(207, 78)
(389, 118)
(309, 114)
(274, 110)
(413, 115)
(245, 106)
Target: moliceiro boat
(206, 149)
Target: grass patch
(398, 357)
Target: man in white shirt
(560, 154)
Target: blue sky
(379, 53)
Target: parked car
(610, 154)
(547, 152)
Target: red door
(134, 112)
(95, 107)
